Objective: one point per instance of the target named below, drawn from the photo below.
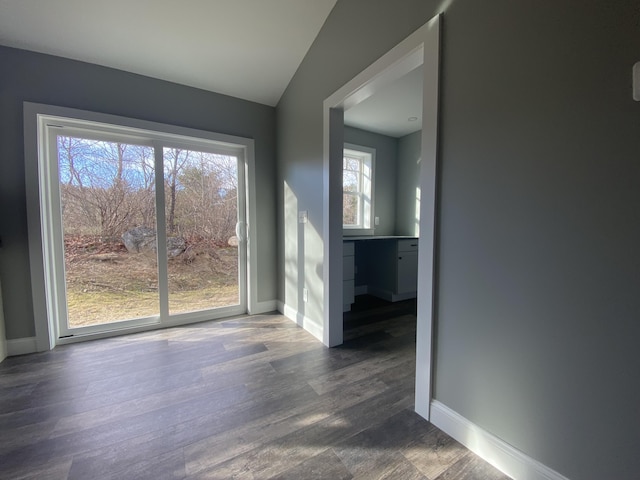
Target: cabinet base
(390, 296)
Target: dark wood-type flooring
(247, 398)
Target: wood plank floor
(247, 398)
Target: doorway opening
(420, 48)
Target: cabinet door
(348, 268)
(348, 275)
(407, 272)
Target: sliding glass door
(143, 228)
(107, 191)
(201, 205)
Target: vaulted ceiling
(248, 49)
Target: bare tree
(106, 186)
(207, 204)
(175, 160)
(109, 187)
(145, 197)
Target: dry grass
(108, 285)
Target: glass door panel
(140, 228)
(201, 211)
(108, 222)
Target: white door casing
(420, 48)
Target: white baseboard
(389, 296)
(380, 293)
(398, 297)
(265, 307)
(305, 322)
(497, 452)
(21, 346)
(361, 290)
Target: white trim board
(3, 336)
(21, 346)
(492, 449)
(389, 296)
(266, 306)
(361, 290)
(300, 319)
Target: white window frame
(366, 155)
(41, 177)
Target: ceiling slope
(248, 49)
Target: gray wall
(51, 80)
(407, 184)
(537, 283)
(384, 188)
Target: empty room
(344, 239)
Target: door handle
(241, 231)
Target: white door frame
(3, 337)
(39, 178)
(421, 47)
